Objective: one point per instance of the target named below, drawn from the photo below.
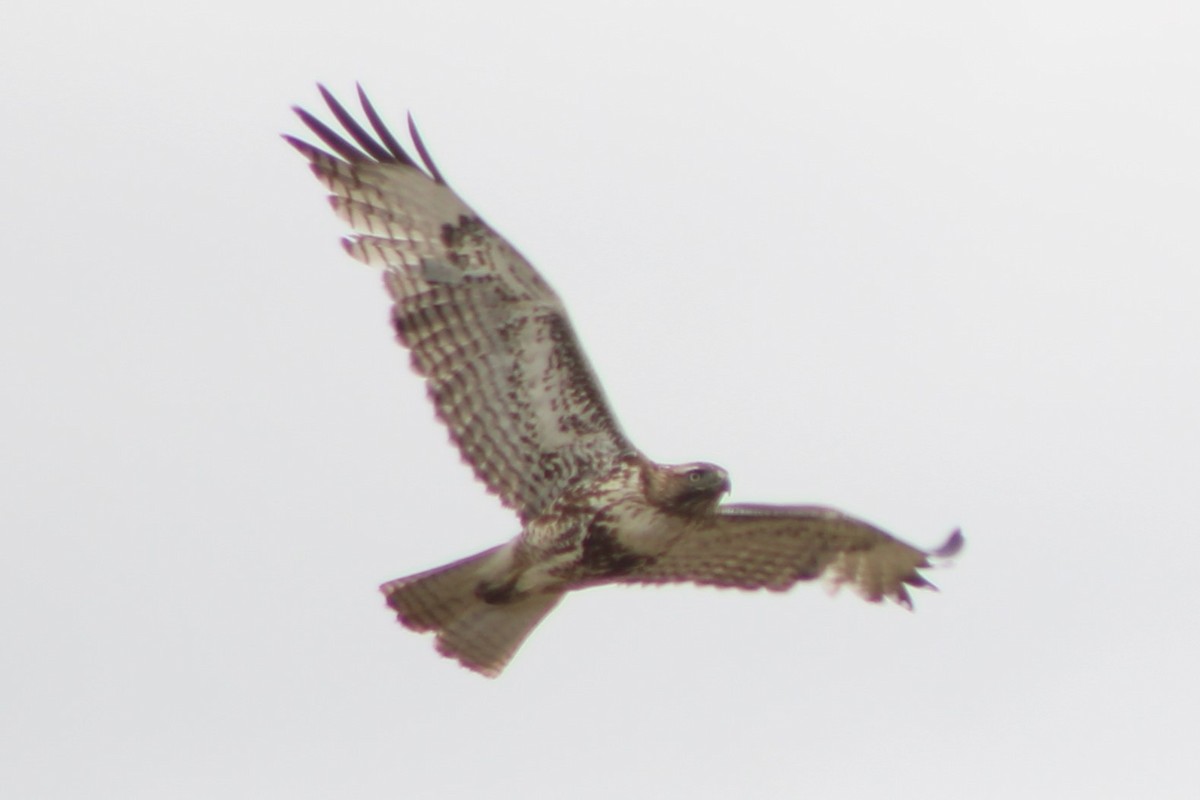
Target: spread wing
(491, 338)
(774, 547)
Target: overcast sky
(931, 264)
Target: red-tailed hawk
(510, 381)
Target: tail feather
(429, 601)
(480, 635)
(487, 636)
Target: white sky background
(934, 265)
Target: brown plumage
(513, 387)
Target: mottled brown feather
(509, 380)
(504, 369)
(774, 547)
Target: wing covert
(493, 341)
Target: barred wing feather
(774, 547)
(493, 341)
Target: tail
(482, 636)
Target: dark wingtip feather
(385, 149)
(421, 151)
(381, 130)
(304, 147)
(364, 139)
(919, 581)
(329, 136)
(952, 546)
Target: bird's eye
(695, 475)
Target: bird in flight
(508, 378)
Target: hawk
(508, 378)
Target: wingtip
(422, 151)
(304, 148)
(952, 546)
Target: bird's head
(688, 488)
